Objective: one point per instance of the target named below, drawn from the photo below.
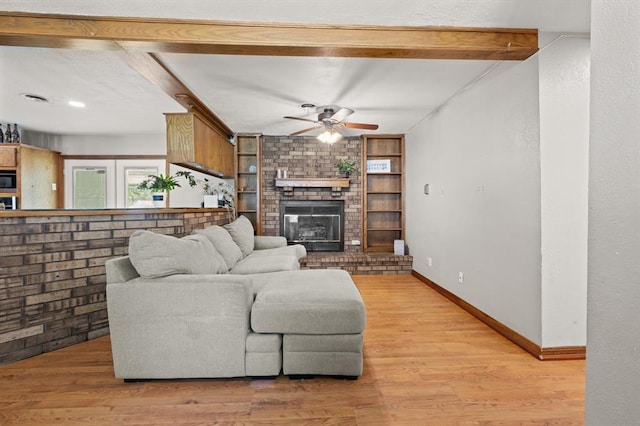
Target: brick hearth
(359, 263)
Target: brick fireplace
(306, 157)
(316, 224)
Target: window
(90, 188)
(99, 184)
(138, 198)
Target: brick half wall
(52, 276)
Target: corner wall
(564, 160)
(480, 154)
(613, 331)
(507, 166)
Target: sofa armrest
(120, 269)
(179, 326)
(262, 242)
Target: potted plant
(346, 167)
(220, 195)
(160, 184)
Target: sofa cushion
(241, 230)
(223, 244)
(308, 302)
(253, 264)
(156, 255)
(297, 250)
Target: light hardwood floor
(426, 362)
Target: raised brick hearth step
(359, 263)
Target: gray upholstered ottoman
(321, 315)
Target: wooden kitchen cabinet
(38, 175)
(8, 156)
(195, 144)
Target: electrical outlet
(429, 261)
(460, 277)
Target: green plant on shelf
(162, 183)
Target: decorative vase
(158, 199)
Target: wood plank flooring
(427, 362)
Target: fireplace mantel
(336, 184)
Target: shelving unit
(247, 167)
(383, 193)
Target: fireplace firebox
(318, 225)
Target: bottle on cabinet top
(1, 134)
(15, 136)
(8, 134)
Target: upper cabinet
(8, 156)
(197, 145)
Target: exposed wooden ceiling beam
(152, 68)
(238, 38)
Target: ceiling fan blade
(341, 114)
(305, 130)
(302, 119)
(360, 126)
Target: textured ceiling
(252, 94)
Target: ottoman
(321, 316)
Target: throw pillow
(223, 244)
(156, 255)
(241, 230)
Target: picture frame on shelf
(379, 166)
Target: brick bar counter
(52, 277)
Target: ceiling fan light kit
(329, 136)
(331, 117)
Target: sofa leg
(346, 377)
(263, 377)
(301, 376)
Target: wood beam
(239, 38)
(151, 67)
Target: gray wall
(613, 325)
(507, 165)
(480, 154)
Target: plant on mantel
(346, 167)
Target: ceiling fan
(331, 118)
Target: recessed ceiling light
(34, 98)
(307, 105)
(77, 104)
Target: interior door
(89, 184)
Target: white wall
(187, 196)
(613, 329)
(564, 158)
(102, 145)
(507, 164)
(145, 144)
(480, 154)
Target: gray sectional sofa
(225, 303)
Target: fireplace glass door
(318, 225)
